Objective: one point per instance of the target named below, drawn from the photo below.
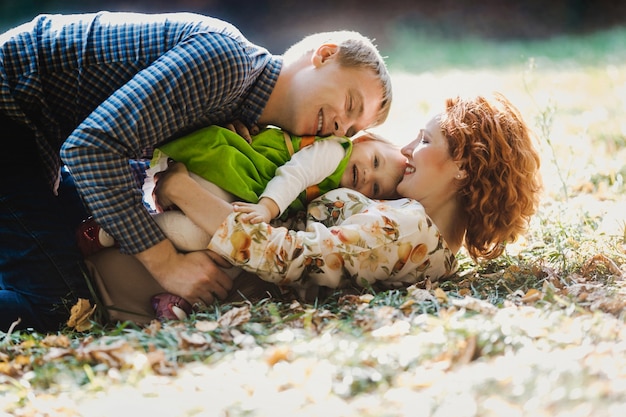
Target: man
(96, 91)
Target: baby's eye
(376, 190)
(376, 162)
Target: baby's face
(375, 168)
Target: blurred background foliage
(278, 23)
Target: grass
(539, 331)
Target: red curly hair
(501, 189)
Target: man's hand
(242, 130)
(165, 180)
(195, 276)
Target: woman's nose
(407, 150)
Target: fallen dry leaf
(591, 263)
(474, 304)
(80, 315)
(60, 341)
(277, 354)
(420, 294)
(115, 355)
(441, 295)
(194, 340)
(206, 325)
(235, 317)
(532, 295)
(159, 363)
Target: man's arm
(157, 102)
(195, 276)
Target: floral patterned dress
(349, 239)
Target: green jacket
(224, 158)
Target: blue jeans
(42, 273)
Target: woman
(472, 180)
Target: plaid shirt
(102, 89)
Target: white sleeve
(308, 166)
(158, 164)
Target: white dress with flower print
(349, 239)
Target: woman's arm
(349, 239)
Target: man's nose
(340, 130)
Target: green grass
(417, 51)
(538, 331)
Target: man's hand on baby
(242, 130)
(254, 213)
(165, 179)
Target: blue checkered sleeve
(116, 84)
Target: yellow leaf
(441, 295)
(531, 296)
(278, 354)
(365, 298)
(60, 341)
(80, 315)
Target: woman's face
(431, 171)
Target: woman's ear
(323, 53)
(461, 172)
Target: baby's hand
(255, 213)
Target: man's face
(327, 98)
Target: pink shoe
(170, 307)
(88, 237)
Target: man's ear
(324, 53)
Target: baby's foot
(91, 238)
